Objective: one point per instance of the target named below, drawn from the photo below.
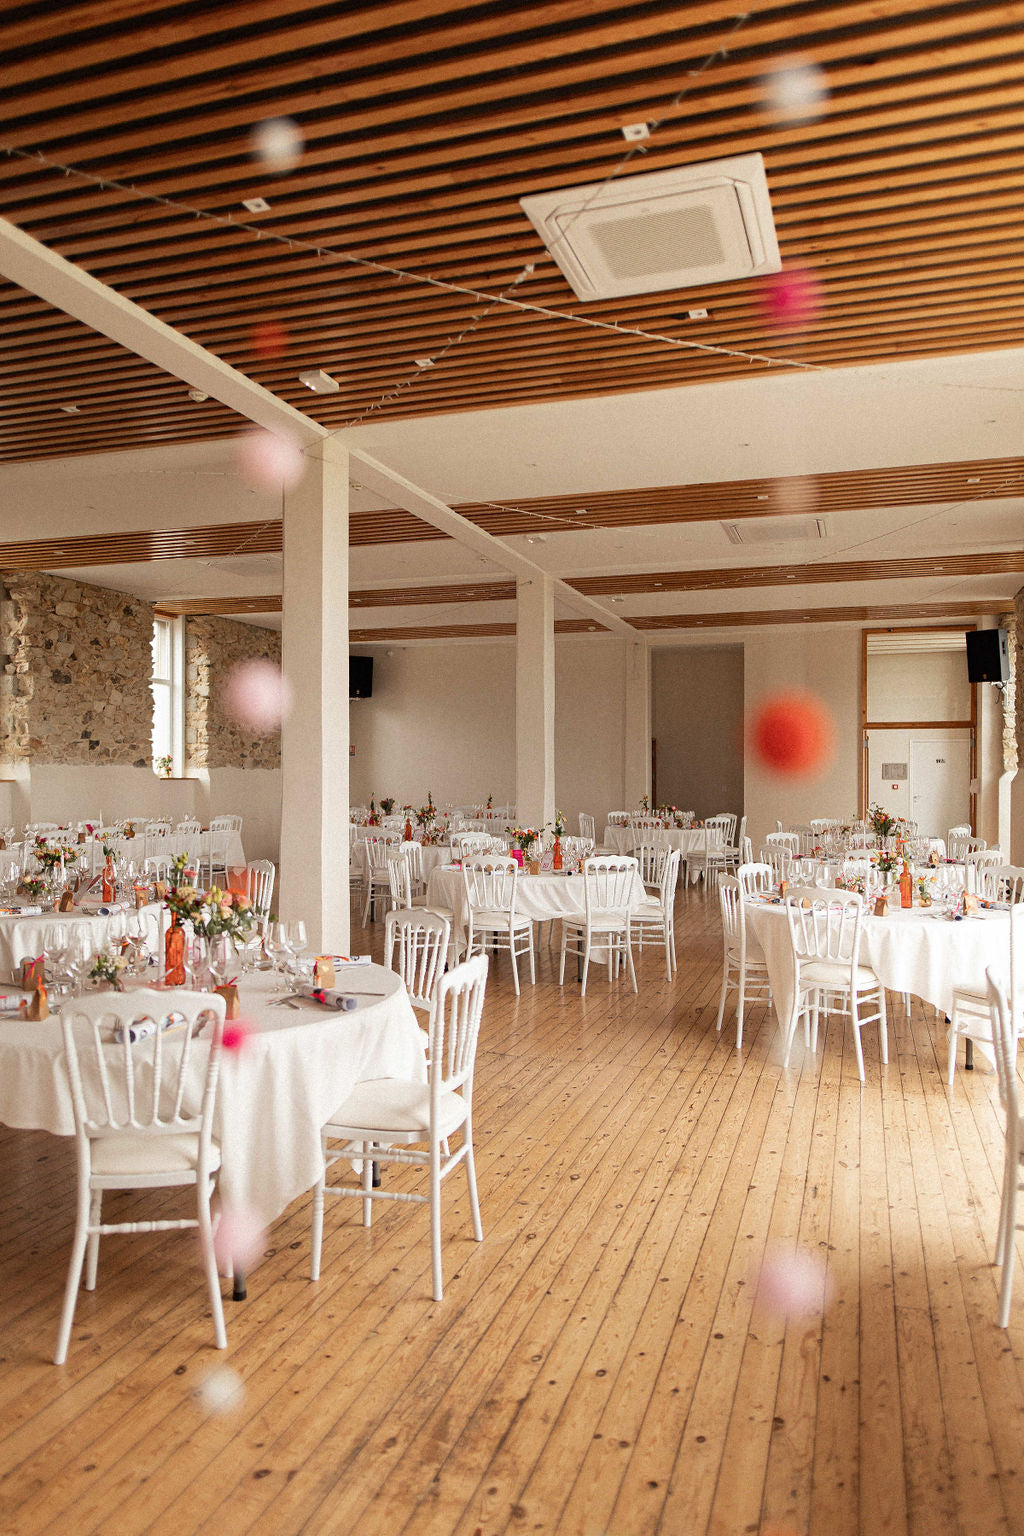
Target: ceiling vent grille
(777, 530)
(679, 228)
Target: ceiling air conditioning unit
(679, 228)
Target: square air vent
(777, 530)
(680, 228)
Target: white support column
(315, 737)
(535, 700)
(636, 757)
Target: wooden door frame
(867, 725)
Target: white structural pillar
(315, 735)
(535, 700)
(636, 758)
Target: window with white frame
(168, 695)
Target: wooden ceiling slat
(965, 481)
(424, 121)
(878, 614)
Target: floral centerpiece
(50, 855)
(558, 825)
(645, 804)
(882, 824)
(524, 838)
(925, 887)
(33, 886)
(887, 861)
(434, 835)
(211, 912)
(106, 970)
(425, 814)
(163, 765)
(387, 804)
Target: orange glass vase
(108, 885)
(556, 862)
(174, 955)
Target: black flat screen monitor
(360, 677)
(988, 660)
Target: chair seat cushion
(148, 1154)
(834, 973)
(482, 918)
(393, 1104)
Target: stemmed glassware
(278, 947)
(295, 933)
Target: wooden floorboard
(714, 1296)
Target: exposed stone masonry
(77, 665)
(77, 662)
(213, 647)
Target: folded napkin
(13, 1002)
(143, 1028)
(329, 997)
(21, 911)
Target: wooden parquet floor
(712, 1296)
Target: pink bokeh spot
(792, 1281)
(257, 695)
(277, 143)
(236, 1035)
(791, 298)
(240, 1236)
(269, 462)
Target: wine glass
(278, 947)
(221, 958)
(197, 963)
(78, 957)
(296, 935)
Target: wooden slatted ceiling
(905, 485)
(925, 567)
(424, 122)
(881, 613)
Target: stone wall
(213, 648)
(77, 662)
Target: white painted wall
(919, 685)
(697, 721)
(442, 717)
(823, 661)
(56, 792)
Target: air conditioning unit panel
(680, 228)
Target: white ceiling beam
(37, 269)
(385, 482)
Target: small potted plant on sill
(164, 765)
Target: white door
(940, 782)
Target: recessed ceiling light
(198, 395)
(256, 204)
(760, 498)
(973, 479)
(580, 512)
(424, 362)
(698, 314)
(319, 382)
(618, 599)
(791, 577)
(634, 131)
(70, 410)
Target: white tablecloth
(691, 842)
(432, 855)
(23, 938)
(292, 1073)
(909, 951)
(544, 898)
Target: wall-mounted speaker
(988, 657)
(360, 677)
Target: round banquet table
(691, 842)
(544, 898)
(911, 950)
(294, 1070)
(432, 855)
(23, 938)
